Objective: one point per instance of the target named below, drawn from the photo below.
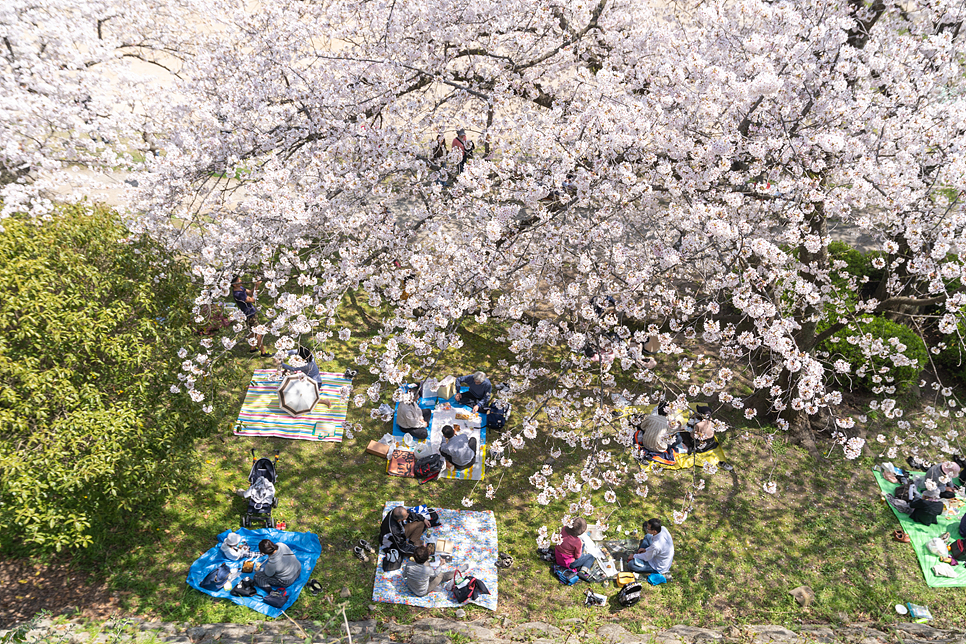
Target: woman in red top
(568, 553)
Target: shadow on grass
(737, 555)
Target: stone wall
(488, 630)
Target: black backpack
(276, 598)
(630, 594)
(469, 588)
(428, 468)
(496, 417)
(244, 588)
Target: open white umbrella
(297, 394)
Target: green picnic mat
(920, 534)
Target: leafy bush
(90, 325)
(953, 357)
(886, 339)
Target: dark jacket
(925, 511)
(395, 530)
(477, 392)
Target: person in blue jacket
(479, 390)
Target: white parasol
(297, 394)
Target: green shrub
(953, 357)
(90, 327)
(885, 333)
(858, 263)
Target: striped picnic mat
(260, 414)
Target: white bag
(424, 449)
(387, 439)
(938, 547)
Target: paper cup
(901, 609)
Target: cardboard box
(377, 449)
(444, 546)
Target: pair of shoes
(504, 560)
(366, 546)
(946, 538)
(360, 554)
(901, 536)
(915, 463)
(253, 351)
(265, 354)
(314, 587)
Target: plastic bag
(919, 613)
(938, 547)
(408, 440)
(387, 439)
(424, 449)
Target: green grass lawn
(737, 556)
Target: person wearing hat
(928, 507)
(942, 475)
(233, 547)
(570, 553)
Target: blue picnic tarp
(305, 545)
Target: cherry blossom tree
(692, 164)
(69, 96)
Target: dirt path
(57, 588)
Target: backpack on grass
(565, 575)
(630, 594)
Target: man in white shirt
(656, 552)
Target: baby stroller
(261, 492)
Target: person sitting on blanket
(459, 451)
(927, 508)
(233, 547)
(282, 568)
(403, 529)
(413, 420)
(699, 435)
(942, 474)
(570, 552)
(479, 390)
(421, 578)
(656, 551)
(310, 369)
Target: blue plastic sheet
(305, 545)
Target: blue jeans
(642, 566)
(585, 559)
